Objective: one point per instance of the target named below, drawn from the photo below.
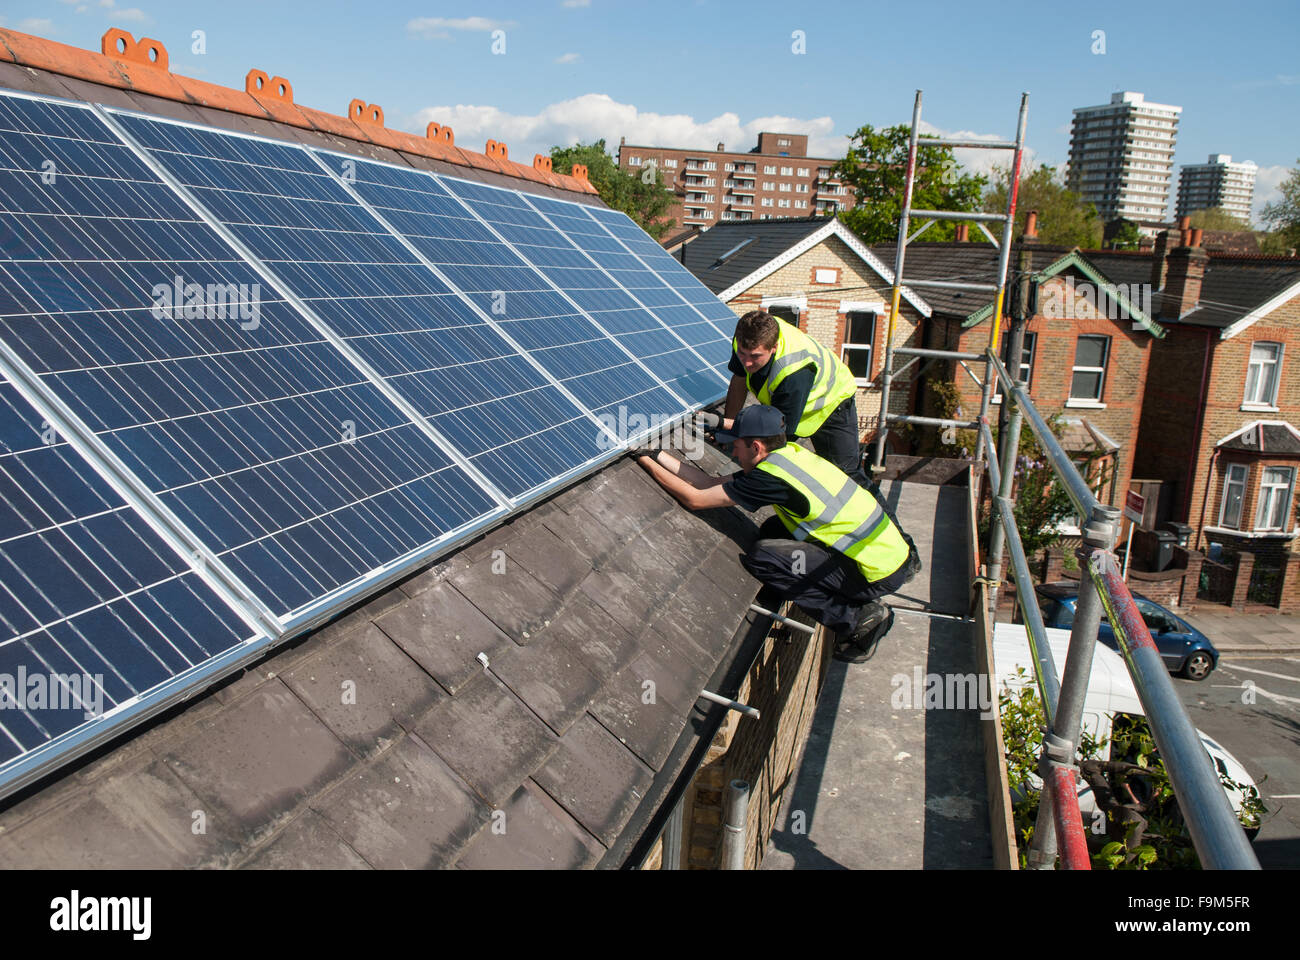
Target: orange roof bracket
(362, 112)
(259, 84)
(120, 44)
(542, 163)
(498, 151)
(445, 135)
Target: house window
(767, 201)
(801, 188)
(769, 169)
(1262, 374)
(1274, 498)
(1026, 370)
(786, 187)
(859, 334)
(801, 204)
(783, 202)
(787, 171)
(1089, 368)
(826, 275)
(769, 185)
(1234, 489)
(670, 163)
(788, 314)
(803, 171)
(634, 161)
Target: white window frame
(769, 169)
(634, 161)
(860, 347)
(1267, 497)
(1101, 383)
(1258, 400)
(1030, 346)
(1223, 499)
(670, 162)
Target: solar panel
(278, 382)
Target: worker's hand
(638, 450)
(709, 421)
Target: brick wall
(783, 684)
(824, 322)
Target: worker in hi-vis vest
(832, 547)
(816, 391)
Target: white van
(1110, 691)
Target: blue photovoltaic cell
(625, 376)
(88, 592)
(622, 249)
(281, 457)
(415, 332)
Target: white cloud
(593, 116)
(567, 58)
(132, 14)
(1277, 80)
(36, 25)
(106, 3)
(576, 3)
(1268, 183)
(436, 28)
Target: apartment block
(775, 179)
(1217, 183)
(1122, 157)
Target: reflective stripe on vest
(842, 515)
(833, 384)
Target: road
(1252, 707)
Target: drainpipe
(1196, 439)
(733, 841)
(1205, 501)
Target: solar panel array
(247, 382)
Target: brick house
(1220, 418)
(1086, 351)
(815, 273)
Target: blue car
(1185, 649)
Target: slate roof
(768, 240)
(602, 588)
(381, 739)
(1264, 437)
(969, 262)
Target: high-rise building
(1122, 157)
(1218, 183)
(775, 179)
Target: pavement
(1263, 634)
(884, 783)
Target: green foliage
(1144, 826)
(875, 168)
(1128, 237)
(1284, 215)
(1216, 218)
(1063, 216)
(1276, 244)
(642, 197)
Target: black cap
(758, 420)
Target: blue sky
(696, 73)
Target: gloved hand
(709, 421)
(641, 449)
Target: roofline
(834, 227)
(133, 71)
(1075, 259)
(1259, 423)
(716, 152)
(1261, 311)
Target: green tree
(1063, 216)
(642, 197)
(1216, 218)
(1128, 237)
(1284, 216)
(875, 168)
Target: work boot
(860, 646)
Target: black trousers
(822, 581)
(836, 440)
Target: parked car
(1185, 649)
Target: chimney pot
(722, 148)
(1184, 223)
(1031, 225)
(1196, 237)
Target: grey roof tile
(534, 834)
(258, 759)
(508, 595)
(365, 689)
(407, 810)
(140, 816)
(549, 676)
(549, 559)
(489, 737)
(444, 633)
(594, 778)
(306, 844)
(649, 729)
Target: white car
(1110, 691)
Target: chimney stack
(1031, 225)
(722, 148)
(1186, 273)
(1159, 261)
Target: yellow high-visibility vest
(841, 514)
(833, 384)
